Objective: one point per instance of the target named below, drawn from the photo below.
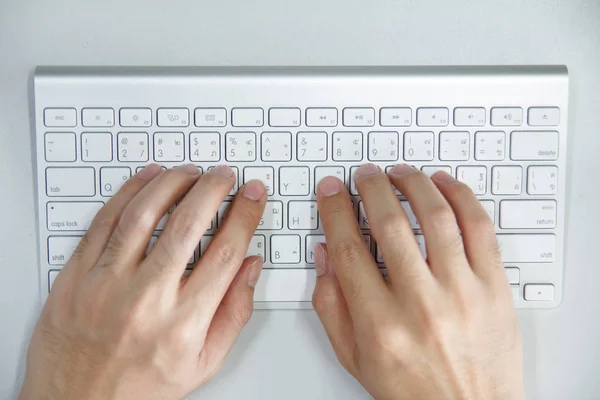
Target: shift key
(71, 216)
(60, 248)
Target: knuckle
(390, 224)
(441, 215)
(227, 255)
(183, 223)
(139, 219)
(331, 209)
(346, 251)
(247, 215)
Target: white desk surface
(285, 354)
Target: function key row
(279, 117)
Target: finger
(391, 228)
(363, 286)
(231, 316)
(128, 244)
(479, 235)
(330, 306)
(219, 265)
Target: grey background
(285, 354)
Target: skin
(122, 325)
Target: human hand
(441, 328)
(122, 325)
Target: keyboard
(500, 130)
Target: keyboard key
(507, 180)
(527, 214)
(432, 116)
(204, 243)
(132, 147)
(418, 146)
(173, 117)
(276, 146)
(347, 146)
(285, 249)
(291, 285)
(363, 220)
(112, 178)
(60, 147)
(324, 117)
(538, 292)
(135, 117)
(473, 176)
(455, 146)
(247, 117)
(263, 174)
(359, 116)
(205, 146)
(543, 116)
(529, 248)
(513, 275)
(538, 145)
(240, 146)
(312, 146)
(210, 117)
(168, 147)
(96, 147)
(353, 189)
(272, 218)
(303, 215)
(257, 247)
(222, 212)
(98, 117)
(61, 248)
(490, 208)
(469, 116)
(294, 181)
(507, 116)
(542, 180)
(516, 295)
(429, 170)
(490, 146)
(67, 182)
(284, 117)
(383, 146)
(395, 116)
(311, 244)
(322, 172)
(412, 218)
(60, 117)
(71, 216)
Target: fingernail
(222, 170)
(402, 169)
(366, 170)
(254, 273)
(442, 177)
(189, 169)
(330, 186)
(149, 172)
(320, 259)
(254, 190)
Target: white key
(539, 145)
(490, 145)
(153, 241)
(469, 116)
(168, 147)
(165, 218)
(247, 117)
(276, 146)
(205, 146)
(60, 147)
(527, 248)
(418, 146)
(421, 243)
(236, 185)
(71, 216)
(285, 285)
(209, 117)
(311, 244)
(312, 146)
(490, 208)
(321, 117)
(303, 215)
(222, 212)
(240, 146)
(347, 146)
(543, 116)
(358, 116)
(429, 170)
(204, 243)
(538, 292)
(542, 180)
(112, 178)
(363, 220)
(432, 116)
(294, 181)
(353, 189)
(378, 255)
(173, 117)
(395, 116)
(414, 223)
(52, 275)
(272, 218)
(383, 146)
(474, 177)
(70, 182)
(455, 146)
(61, 248)
(513, 275)
(507, 116)
(132, 147)
(507, 180)
(134, 117)
(514, 290)
(263, 174)
(528, 214)
(282, 117)
(98, 117)
(60, 117)
(322, 172)
(256, 247)
(96, 147)
(285, 249)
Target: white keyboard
(501, 130)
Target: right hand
(441, 328)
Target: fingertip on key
(149, 172)
(330, 186)
(254, 190)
